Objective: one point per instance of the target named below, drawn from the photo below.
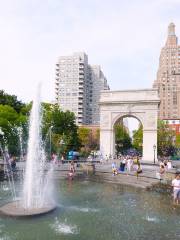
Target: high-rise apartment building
(98, 83)
(78, 86)
(168, 77)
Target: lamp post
(154, 148)
(61, 143)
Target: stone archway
(141, 104)
(120, 120)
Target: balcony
(80, 101)
(81, 68)
(80, 91)
(80, 111)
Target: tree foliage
(138, 138)
(122, 138)
(10, 121)
(62, 126)
(165, 139)
(11, 100)
(89, 139)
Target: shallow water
(95, 211)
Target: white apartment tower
(168, 77)
(78, 86)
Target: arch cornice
(137, 115)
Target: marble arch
(141, 104)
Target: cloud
(125, 38)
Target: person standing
(139, 167)
(107, 158)
(176, 188)
(114, 169)
(169, 165)
(129, 164)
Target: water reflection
(99, 211)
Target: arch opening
(128, 136)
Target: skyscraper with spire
(168, 77)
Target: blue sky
(124, 37)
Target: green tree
(11, 100)
(165, 139)
(89, 139)
(10, 120)
(84, 136)
(178, 141)
(95, 143)
(62, 126)
(138, 138)
(122, 138)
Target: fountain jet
(37, 196)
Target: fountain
(37, 192)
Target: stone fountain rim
(10, 210)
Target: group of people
(164, 166)
(71, 172)
(128, 164)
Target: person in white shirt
(176, 188)
(169, 165)
(129, 164)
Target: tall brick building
(168, 77)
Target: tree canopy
(122, 138)
(89, 139)
(62, 126)
(11, 100)
(165, 139)
(14, 115)
(10, 121)
(138, 138)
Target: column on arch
(149, 141)
(106, 142)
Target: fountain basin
(14, 209)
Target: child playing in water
(114, 169)
(176, 188)
(139, 168)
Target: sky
(123, 37)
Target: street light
(62, 143)
(154, 148)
